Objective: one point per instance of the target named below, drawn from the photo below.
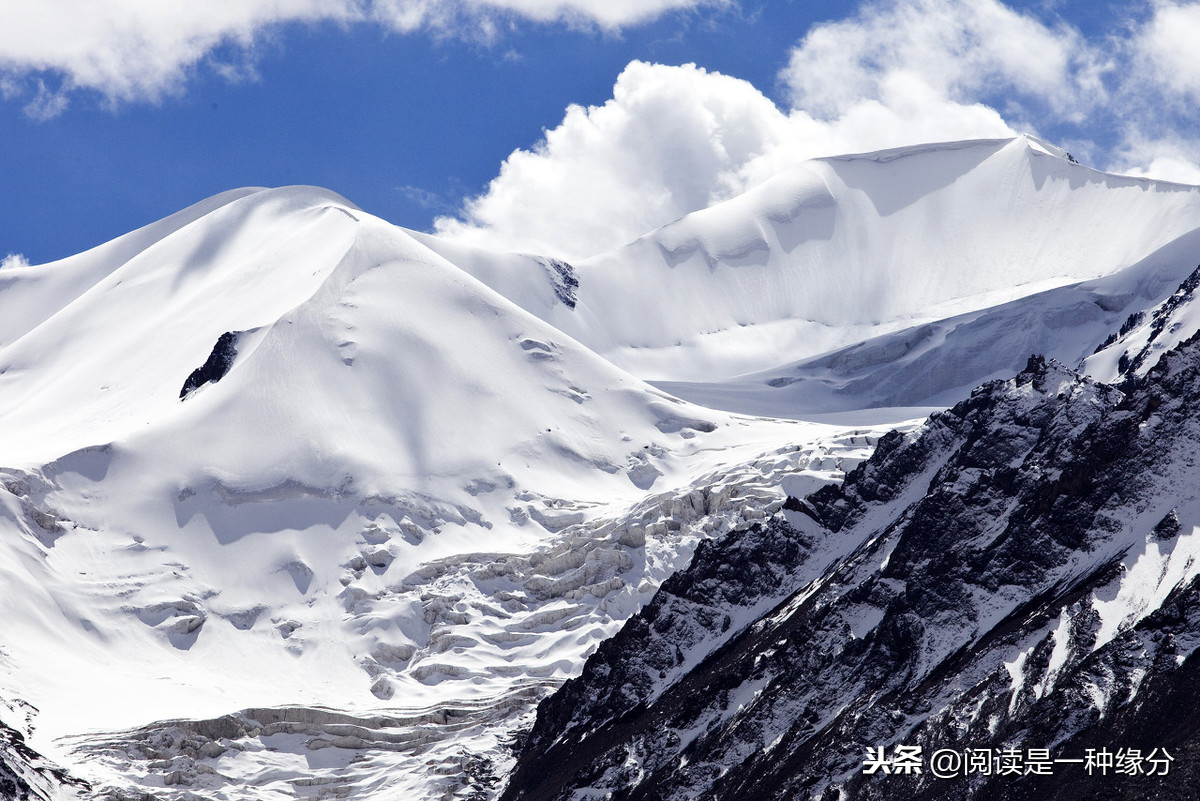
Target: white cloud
(13, 260)
(409, 15)
(46, 104)
(136, 49)
(1166, 48)
(671, 140)
(958, 52)
(1172, 158)
(674, 139)
(132, 50)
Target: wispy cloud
(46, 103)
(488, 16)
(426, 199)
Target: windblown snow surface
(298, 503)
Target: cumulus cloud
(671, 140)
(956, 52)
(676, 139)
(130, 50)
(13, 260)
(1166, 48)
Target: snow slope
(866, 262)
(405, 492)
(843, 249)
(937, 363)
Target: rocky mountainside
(1017, 583)
(25, 775)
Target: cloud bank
(131, 50)
(676, 139)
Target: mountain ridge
(940, 624)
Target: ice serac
(1021, 573)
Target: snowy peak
(146, 310)
(383, 480)
(843, 249)
(333, 311)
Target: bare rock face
(564, 280)
(1018, 582)
(215, 367)
(26, 775)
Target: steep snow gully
(295, 503)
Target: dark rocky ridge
(1161, 317)
(26, 775)
(950, 594)
(215, 367)
(564, 280)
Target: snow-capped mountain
(300, 503)
(848, 263)
(1018, 576)
(277, 453)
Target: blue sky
(453, 115)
